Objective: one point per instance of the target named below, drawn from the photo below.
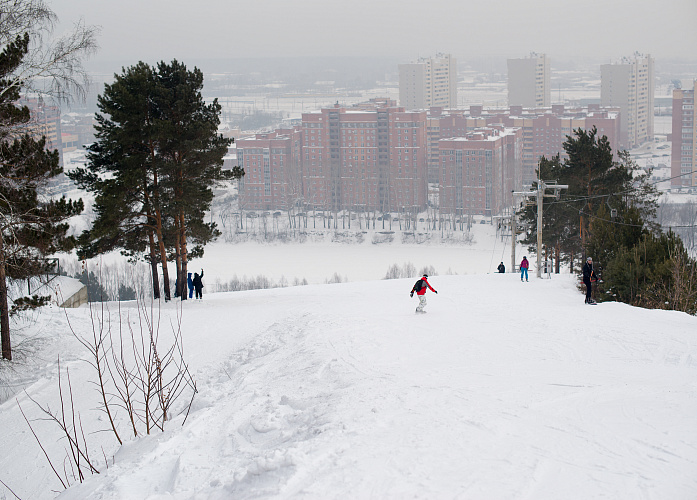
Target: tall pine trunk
(184, 255)
(153, 265)
(151, 223)
(163, 254)
(178, 289)
(4, 309)
(160, 235)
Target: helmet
(589, 259)
(425, 276)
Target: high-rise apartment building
(683, 167)
(629, 85)
(371, 156)
(428, 82)
(272, 167)
(529, 81)
(480, 170)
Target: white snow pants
(422, 303)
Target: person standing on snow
(524, 264)
(420, 289)
(190, 283)
(198, 284)
(501, 268)
(588, 278)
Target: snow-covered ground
(503, 390)
(317, 262)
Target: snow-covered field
(503, 390)
(317, 262)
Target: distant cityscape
(440, 134)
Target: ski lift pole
(540, 199)
(539, 193)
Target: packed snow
(504, 389)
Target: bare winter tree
(53, 65)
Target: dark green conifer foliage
(607, 212)
(31, 226)
(157, 157)
(124, 171)
(193, 154)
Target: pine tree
(153, 166)
(124, 173)
(608, 213)
(193, 153)
(597, 184)
(31, 226)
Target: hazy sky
(153, 30)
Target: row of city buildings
(379, 156)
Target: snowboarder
(524, 264)
(190, 283)
(501, 268)
(588, 278)
(420, 288)
(198, 284)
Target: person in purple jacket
(524, 264)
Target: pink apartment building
(479, 170)
(372, 157)
(273, 170)
(683, 169)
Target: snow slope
(503, 390)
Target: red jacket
(423, 288)
(524, 264)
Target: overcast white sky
(153, 30)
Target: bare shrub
(430, 270)
(77, 462)
(137, 372)
(383, 237)
(395, 271)
(336, 278)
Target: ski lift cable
(633, 225)
(582, 198)
(493, 252)
(503, 250)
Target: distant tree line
(608, 212)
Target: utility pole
(539, 194)
(514, 233)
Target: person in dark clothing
(588, 279)
(198, 284)
(190, 283)
(501, 268)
